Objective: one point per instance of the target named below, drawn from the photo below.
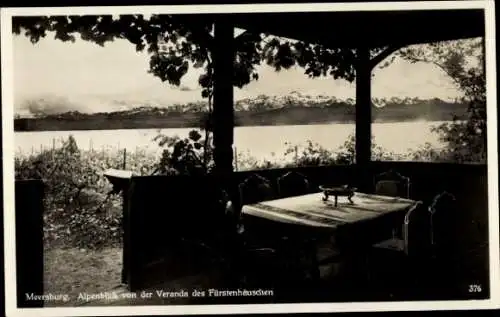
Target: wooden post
(223, 110)
(363, 107)
(122, 182)
(29, 241)
(235, 159)
(124, 158)
(127, 243)
(223, 113)
(363, 118)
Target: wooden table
(312, 222)
(355, 226)
(310, 210)
(368, 220)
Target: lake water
(262, 142)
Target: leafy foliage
(79, 211)
(463, 62)
(316, 59)
(313, 154)
(175, 42)
(178, 42)
(187, 156)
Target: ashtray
(336, 191)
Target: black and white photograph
(259, 158)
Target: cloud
(46, 105)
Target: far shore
(156, 119)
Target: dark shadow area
(177, 231)
(29, 242)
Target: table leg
(350, 198)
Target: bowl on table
(338, 191)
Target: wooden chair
(404, 259)
(242, 256)
(425, 254)
(215, 227)
(443, 221)
(392, 183)
(255, 188)
(269, 256)
(292, 184)
(276, 248)
(416, 233)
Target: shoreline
(43, 125)
(260, 114)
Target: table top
(311, 210)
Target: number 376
(475, 288)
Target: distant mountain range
(293, 109)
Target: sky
(90, 77)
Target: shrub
(313, 154)
(191, 155)
(80, 211)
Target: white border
(8, 166)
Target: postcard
(267, 158)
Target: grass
(71, 271)
(74, 271)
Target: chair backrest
(443, 220)
(255, 188)
(392, 183)
(292, 184)
(416, 228)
